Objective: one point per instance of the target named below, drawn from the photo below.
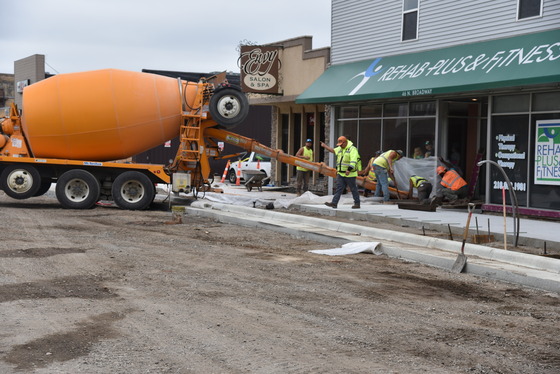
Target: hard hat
(400, 152)
(341, 140)
(440, 170)
(309, 141)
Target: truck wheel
(20, 181)
(229, 107)
(232, 176)
(77, 189)
(133, 190)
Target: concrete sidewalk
(532, 232)
(238, 207)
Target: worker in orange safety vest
(453, 187)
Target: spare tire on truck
(229, 106)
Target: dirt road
(113, 291)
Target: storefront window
(546, 101)
(396, 110)
(348, 129)
(394, 134)
(370, 139)
(424, 108)
(421, 131)
(509, 148)
(374, 127)
(348, 112)
(371, 111)
(511, 104)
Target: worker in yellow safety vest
(347, 158)
(453, 187)
(302, 174)
(423, 186)
(369, 173)
(383, 168)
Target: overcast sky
(177, 35)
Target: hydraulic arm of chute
(253, 146)
(199, 134)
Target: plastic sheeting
(424, 167)
(351, 249)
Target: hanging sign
(259, 69)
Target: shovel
(461, 260)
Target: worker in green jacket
(347, 157)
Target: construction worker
(302, 174)
(369, 173)
(347, 170)
(423, 186)
(383, 168)
(453, 186)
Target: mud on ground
(112, 291)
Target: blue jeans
(382, 182)
(341, 184)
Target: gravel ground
(112, 291)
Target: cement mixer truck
(77, 130)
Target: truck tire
(77, 189)
(133, 190)
(20, 181)
(229, 107)
(232, 176)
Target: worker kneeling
(453, 186)
(423, 186)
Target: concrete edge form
(513, 267)
(521, 259)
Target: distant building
(6, 90)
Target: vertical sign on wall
(259, 69)
(547, 152)
(509, 148)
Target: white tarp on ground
(351, 249)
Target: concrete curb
(517, 258)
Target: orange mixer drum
(100, 115)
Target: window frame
(518, 16)
(409, 11)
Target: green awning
(517, 61)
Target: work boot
(356, 206)
(331, 205)
(433, 201)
